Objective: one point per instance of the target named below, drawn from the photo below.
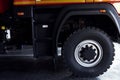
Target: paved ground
(26, 68)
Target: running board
(25, 52)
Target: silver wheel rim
(98, 53)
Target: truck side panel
(44, 20)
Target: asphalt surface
(27, 68)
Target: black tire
(94, 51)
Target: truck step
(25, 51)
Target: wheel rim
(88, 53)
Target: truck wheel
(88, 52)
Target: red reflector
(20, 13)
(103, 11)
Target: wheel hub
(88, 53)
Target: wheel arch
(86, 10)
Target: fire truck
(80, 31)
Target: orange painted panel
(42, 2)
(24, 2)
(89, 0)
(47, 2)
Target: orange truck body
(4, 4)
(47, 2)
(116, 3)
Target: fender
(84, 9)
